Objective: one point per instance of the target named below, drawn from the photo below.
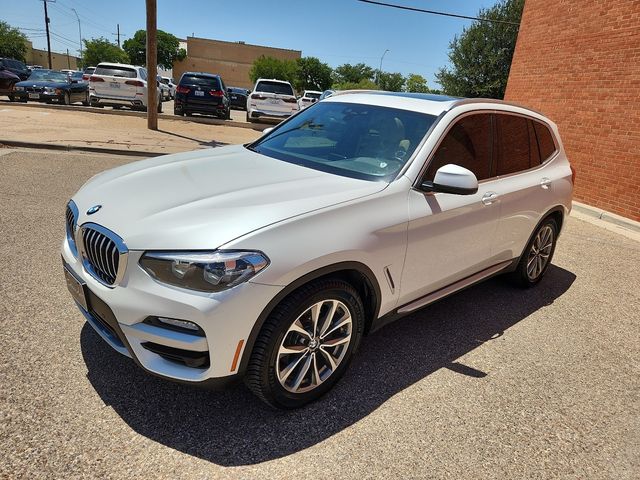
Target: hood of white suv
(201, 200)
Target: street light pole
(380, 69)
(80, 32)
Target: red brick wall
(578, 61)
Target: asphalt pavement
(494, 382)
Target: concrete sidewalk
(81, 129)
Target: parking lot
(493, 382)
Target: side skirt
(443, 292)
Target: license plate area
(114, 85)
(199, 93)
(76, 288)
(35, 96)
(274, 101)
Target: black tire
(176, 112)
(522, 276)
(228, 115)
(261, 376)
(12, 98)
(85, 102)
(249, 118)
(160, 106)
(66, 98)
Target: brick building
(578, 61)
(231, 60)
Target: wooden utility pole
(118, 35)
(152, 67)
(46, 25)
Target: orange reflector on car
(234, 364)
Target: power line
(64, 38)
(433, 12)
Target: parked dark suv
(16, 67)
(238, 97)
(204, 93)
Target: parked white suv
(270, 261)
(271, 99)
(117, 85)
(308, 98)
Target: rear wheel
(537, 255)
(306, 344)
(159, 106)
(85, 102)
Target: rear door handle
(490, 197)
(545, 183)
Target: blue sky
(336, 31)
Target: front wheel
(306, 344)
(67, 98)
(537, 255)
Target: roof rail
(466, 101)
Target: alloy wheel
(314, 346)
(540, 252)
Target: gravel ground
(493, 382)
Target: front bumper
(227, 318)
(41, 96)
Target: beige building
(231, 60)
(58, 60)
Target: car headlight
(204, 271)
(49, 90)
(19, 89)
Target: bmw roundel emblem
(94, 209)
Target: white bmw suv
(270, 261)
(118, 84)
(271, 100)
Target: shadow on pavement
(212, 143)
(232, 428)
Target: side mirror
(228, 90)
(267, 130)
(452, 179)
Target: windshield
(349, 139)
(274, 87)
(76, 75)
(48, 76)
(312, 95)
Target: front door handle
(545, 183)
(490, 197)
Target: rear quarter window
(545, 141)
(274, 87)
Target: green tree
(481, 56)
(269, 67)
(365, 84)
(416, 84)
(391, 82)
(100, 49)
(312, 74)
(348, 73)
(168, 48)
(13, 43)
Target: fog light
(179, 323)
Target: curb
(605, 216)
(129, 113)
(72, 148)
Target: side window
(545, 141)
(513, 152)
(143, 74)
(468, 144)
